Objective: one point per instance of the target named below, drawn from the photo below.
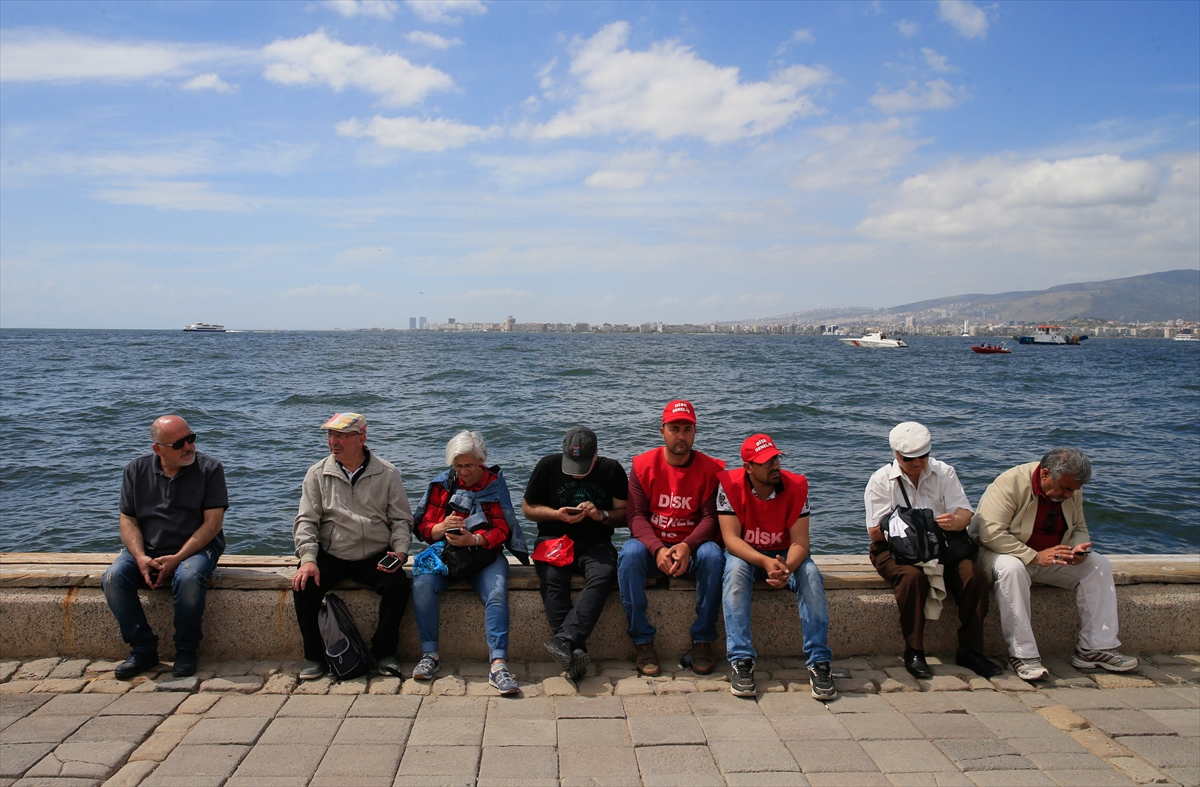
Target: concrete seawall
(51, 604)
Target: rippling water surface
(76, 406)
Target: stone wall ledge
(51, 605)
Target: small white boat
(205, 327)
(875, 339)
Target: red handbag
(555, 551)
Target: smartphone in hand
(457, 531)
(388, 562)
(573, 511)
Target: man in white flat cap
(928, 483)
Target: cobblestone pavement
(250, 724)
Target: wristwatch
(602, 511)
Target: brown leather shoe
(702, 658)
(647, 660)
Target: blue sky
(352, 164)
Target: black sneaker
(741, 678)
(821, 678)
(560, 651)
(136, 664)
(579, 664)
(185, 664)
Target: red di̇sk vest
(766, 524)
(675, 494)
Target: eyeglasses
(914, 458)
(465, 466)
(181, 442)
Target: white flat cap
(910, 439)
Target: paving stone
(447, 731)
(944, 683)
(589, 708)
(280, 683)
(1112, 680)
(1035, 700)
(124, 729)
(963, 750)
(157, 747)
(809, 728)
(1158, 675)
(220, 732)
(37, 669)
(75, 705)
(235, 706)
(520, 732)
(313, 687)
(1067, 762)
(898, 685)
(300, 731)
(632, 686)
(353, 686)
(1150, 699)
(1080, 699)
(558, 687)
(752, 756)
(1189, 693)
(1003, 762)
(1016, 725)
(16, 758)
(980, 684)
(1125, 722)
(385, 706)
(316, 706)
(1047, 745)
(224, 669)
(144, 705)
(60, 686)
(855, 686)
(1010, 779)
(667, 731)
(244, 684)
(860, 703)
(1188, 777)
(1165, 751)
(8, 669)
(600, 766)
(513, 766)
(678, 765)
(925, 703)
(1074, 778)
(455, 707)
(1100, 744)
(69, 669)
(1062, 717)
(772, 779)
(18, 686)
(703, 684)
(595, 687)
(189, 764)
(918, 779)
(280, 761)
(853, 779)
(593, 732)
(879, 726)
(43, 729)
(188, 684)
(1183, 721)
(683, 687)
(199, 703)
(424, 762)
(82, 760)
(737, 728)
(384, 685)
(1010, 682)
(177, 723)
(894, 756)
(949, 725)
(144, 686)
(831, 757)
(536, 708)
(645, 707)
(416, 688)
(777, 705)
(719, 704)
(450, 686)
(131, 774)
(106, 687)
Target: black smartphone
(458, 531)
(389, 562)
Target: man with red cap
(763, 513)
(673, 528)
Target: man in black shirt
(173, 503)
(580, 495)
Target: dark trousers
(393, 590)
(965, 581)
(597, 562)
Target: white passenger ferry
(205, 327)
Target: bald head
(165, 432)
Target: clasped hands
(673, 560)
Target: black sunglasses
(914, 458)
(181, 442)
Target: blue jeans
(492, 586)
(635, 564)
(805, 582)
(189, 585)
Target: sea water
(75, 407)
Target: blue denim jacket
(495, 492)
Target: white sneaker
(1028, 669)
(1110, 660)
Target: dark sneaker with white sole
(741, 678)
(502, 680)
(821, 678)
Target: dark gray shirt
(169, 510)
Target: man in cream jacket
(1030, 526)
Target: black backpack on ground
(345, 651)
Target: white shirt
(937, 488)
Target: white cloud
(965, 17)
(907, 28)
(178, 195)
(667, 91)
(522, 170)
(937, 94)
(446, 11)
(935, 61)
(410, 133)
(209, 82)
(980, 199)
(319, 59)
(380, 9)
(51, 56)
(431, 40)
(323, 291)
(363, 256)
(802, 36)
(634, 168)
(855, 155)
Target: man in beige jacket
(1030, 526)
(354, 523)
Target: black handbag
(464, 562)
(959, 546)
(918, 538)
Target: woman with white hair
(468, 508)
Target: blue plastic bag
(429, 561)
